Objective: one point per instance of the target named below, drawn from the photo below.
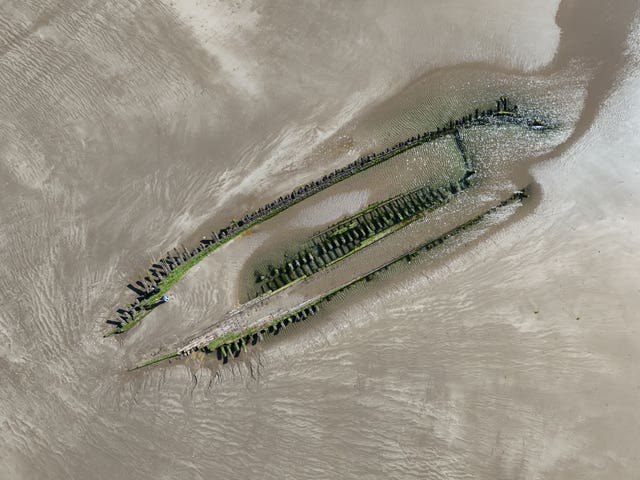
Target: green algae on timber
(155, 360)
(172, 268)
(369, 225)
(232, 343)
(146, 306)
(366, 227)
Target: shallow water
(128, 128)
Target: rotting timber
(229, 339)
(369, 225)
(164, 273)
(358, 231)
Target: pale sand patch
(332, 209)
(222, 29)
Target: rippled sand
(129, 127)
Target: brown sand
(127, 127)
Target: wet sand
(496, 151)
(129, 128)
(503, 158)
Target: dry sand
(128, 127)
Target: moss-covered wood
(163, 274)
(228, 345)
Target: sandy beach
(129, 128)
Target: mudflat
(131, 127)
